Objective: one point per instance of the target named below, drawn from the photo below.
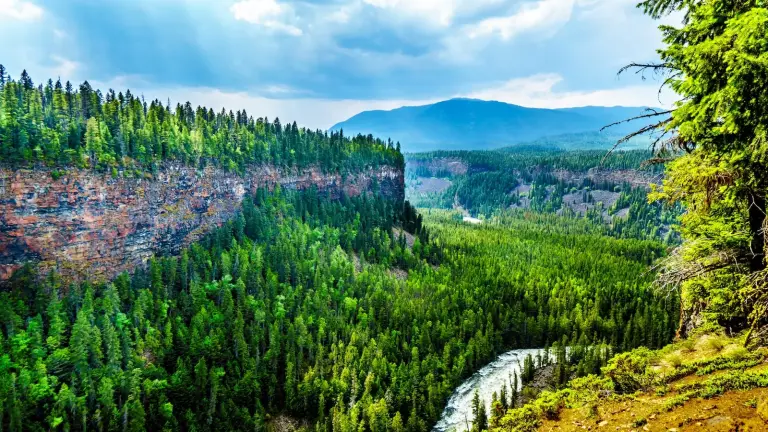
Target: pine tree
(26, 81)
(514, 394)
(480, 422)
(503, 398)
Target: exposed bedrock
(87, 223)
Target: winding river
(458, 413)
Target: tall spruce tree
(717, 62)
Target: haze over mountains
(471, 124)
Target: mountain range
(471, 124)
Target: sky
(319, 62)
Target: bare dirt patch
(452, 165)
(431, 184)
(409, 238)
(398, 273)
(575, 201)
(522, 189)
(729, 412)
(636, 178)
(285, 423)
(623, 213)
(356, 262)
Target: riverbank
(457, 415)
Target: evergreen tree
(480, 422)
(718, 128)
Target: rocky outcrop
(94, 224)
(636, 178)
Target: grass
(715, 343)
(688, 345)
(674, 359)
(711, 363)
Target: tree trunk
(756, 219)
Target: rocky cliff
(90, 223)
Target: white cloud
(340, 16)
(605, 9)
(283, 27)
(539, 91)
(256, 11)
(267, 13)
(64, 67)
(20, 10)
(442, 13)
(435, 11)
(539, 15)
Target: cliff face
(89, 223)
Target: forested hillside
(57, 124)
(340, 313)
(317, 309)
(713, 144)
(609, 191)
(603, 140)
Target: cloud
(64, 67)
(373, 52)
(539, 91)
(435, 11)
(440, 13)
(605, 9)
(543, 14)
(20, 10)
(341, 15)
(268, 13)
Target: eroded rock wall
(87, 223)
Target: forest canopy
(64, 124)
(327, 310)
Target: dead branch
(636, 133)
(642, 67)
(674, 270)
(655, 161)
(654, 113)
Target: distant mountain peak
(474, 124)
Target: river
(458, 413)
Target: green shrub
(551, 404)
(630, 371)
(687, 345)
(674, 360)
(57, 174)
(591, 384)
(734, 380)
(736, 359)
(715, 343)
(738, 353)
(677, 401)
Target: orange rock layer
(87, 223)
